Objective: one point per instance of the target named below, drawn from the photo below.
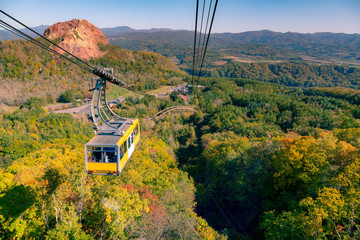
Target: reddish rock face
(79, 37)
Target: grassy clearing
(159, 90)
(8, 109)
(115, 91)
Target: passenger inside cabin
(97, 156)
(105, 157)
(111, 157)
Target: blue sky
(305, 16)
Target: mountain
(125, 29)
(262, 45)
(27, 71)
(6, 35)
(79, 37)
(152, 30)
(323, 59)
(117, 30)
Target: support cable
(200, 33)
(196, 20)
(100, 73)
(206, 29)
(207, 41)
(228, 221)
(201, 42)
(83, 62)
(27, 37)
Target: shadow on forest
(53, 178)
(16, 200)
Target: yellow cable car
(108, 154)
(115, 140)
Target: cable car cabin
(108, 152)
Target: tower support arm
(106, 76)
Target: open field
(313, 59)
(247, 60)
(219, 63)
(8, 109)
(306, 58)
(355, 64)
(159, 90)
(115, 91)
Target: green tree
(67, 96)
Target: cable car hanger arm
(106, 76)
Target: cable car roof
(102, 140)
(113, 137)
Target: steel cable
(88, 65)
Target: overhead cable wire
(196, 21)
(100, 73)
(206, 28)
(83, 62)
(207, 40)
(201, 42)
(231, 216)
(23, 35)
(34, 41)
(200, 33)
(2, 24)
(240, 236)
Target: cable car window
(109, 149)
(136, 130)
(133, 134)
(90, 157)
(109, 157)
(96, 156)
(102, 154)
(122, 151)
(125, 147)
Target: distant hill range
(292, 59)
(5, 35)
(246, 47)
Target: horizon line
(231, 32)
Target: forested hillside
(268, 161)
(254, 158)
(27, 71)
(292, 74)
(291, 59)
(254, 45)
(45, 192)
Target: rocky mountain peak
(79, 37)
